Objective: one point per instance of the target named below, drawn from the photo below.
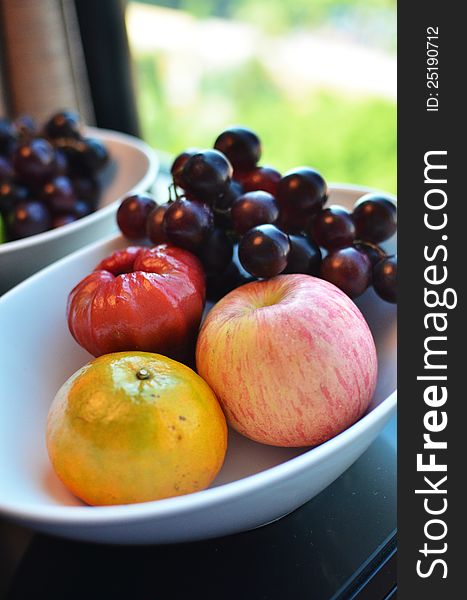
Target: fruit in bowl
(48, 176)
(291, 359)
(132, 169)
(135, 427)
(258, 483)
(148, 299)
(237, 215)
(289, 355)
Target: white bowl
(133, 169)
(257, 484)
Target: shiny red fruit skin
(147, 299)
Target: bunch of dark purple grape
(246, 221)
(48, 176)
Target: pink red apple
(291, 360)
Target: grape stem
(377, 249)
(173, 191)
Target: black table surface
(339, 545)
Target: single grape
(216, 252)
(58, 195)
(304, 256)
(348, 269)
(241, 146)
(61, 220)
(34, 161)
(28, 218)
(333, 228)
(95, 155)
(7, 137)
(207, 175)
(132, 214)
(233, 191)
(301, 193)
(63, 124)
(223, 204)
(10, 195)
(385, 279)
(375, 218)
(375, 253)
(73, 150)
(84, 157)
(6, 170)
(260, 178)
(178, 164)
(263, 251)
(252, 209)
(87, 188)
(187, 223)
(155, 224)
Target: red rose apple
(291, 359)
(147, 299)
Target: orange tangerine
(134, 427)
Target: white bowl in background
(257, 483)
(132, 170)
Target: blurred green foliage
(281, 14)
(348, 138)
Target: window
(316, 80)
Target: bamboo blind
(42, 59)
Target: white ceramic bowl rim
(169, 506)
(91, 515)
(146, 181)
